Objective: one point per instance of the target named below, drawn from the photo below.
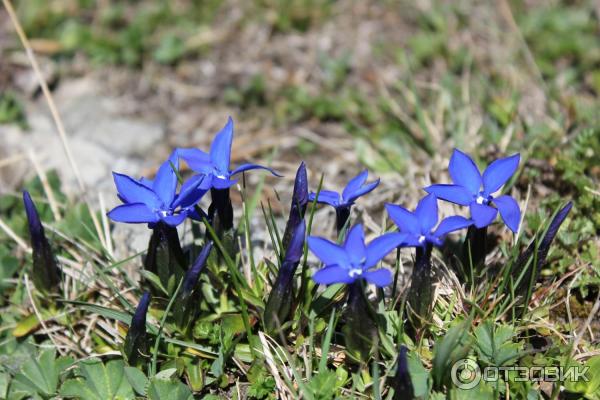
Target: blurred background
(388, 85)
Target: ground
(389, 86)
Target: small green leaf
(161, 389)
(137, 380)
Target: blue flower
(151, 201)
(356, 188)
(475, 190)
(215, 165)
(418, 225)
(351, 261)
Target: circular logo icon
(465, 374)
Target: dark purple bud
(526, 259)
(136, 343)
(299, 203)
(279, 303)
(403, 388)
(296, 248)
(45, 273)
(191, 276)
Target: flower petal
(355, 183)
(220, 149)
(369, 187)
(134, 213)
(174, 220)
(191, 192)
(247, 167)
(464, 172)
(357, 187)
(197, 160)
(498, 172)
(355, 244)
(165, 182)
(333, 274)
(380, 277)
(326, 197)
(427, 213)
(405, 220)
(452, 224)
(328, 252)
(411, 240)
(220, 183)
(133, 191)
(482, 215)
(453, 193)
(146, 182)
(381, 246)
(509, 211)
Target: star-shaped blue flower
(151, 201)
(356, 188)
(351, 261)
(475, 190)
(418, 225)
(215, 165)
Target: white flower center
(221, 176)
(480, 199)
(422, 239)
(163, 213)
(354, 272)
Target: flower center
(422, 239)
(165, 213)
(354, 272)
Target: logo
(465, 374)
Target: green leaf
(161, 389)
(494, 343)
(137, 379)
(418, 375)
(40, 375)
(99, 381)
(452, 347)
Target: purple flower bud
(191, 276)
(403, 388)
(525, 259)
(280, 299)
(45, 274)
(136, 345)
(299, 203)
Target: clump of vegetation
(211, 318)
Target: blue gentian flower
(151, 201)
(418, 225)
(475, 190)
(215, 165)
(351, 261)
(356, 188)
